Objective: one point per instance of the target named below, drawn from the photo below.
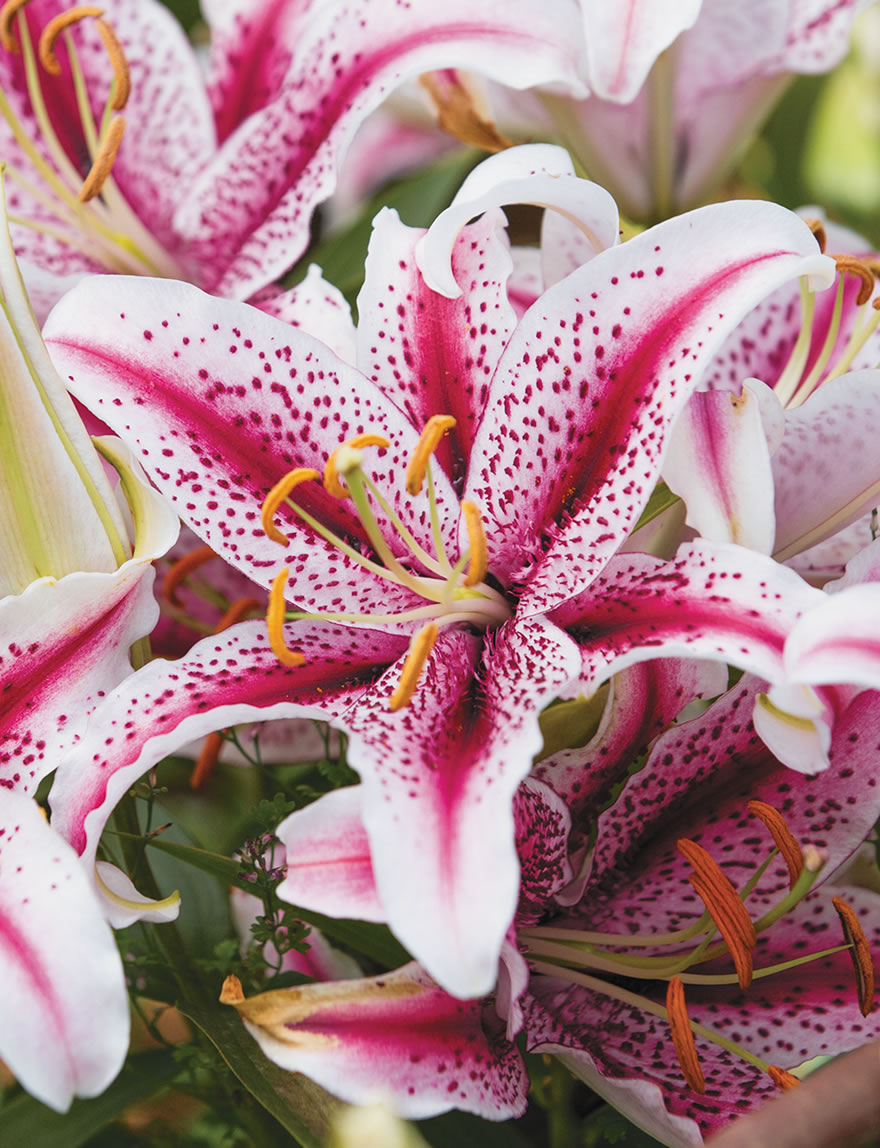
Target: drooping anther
(206, 763)
(860, 952)
(683, 1037)
(420, 647)
(479, 560)
(277, 495)
(103, 162)
(7, 14)
(182, 569)
(238, 610)
(849, 265)
(434, 430)
(335, 465)
(49, 38)
(818, 229)
(275, 623)
(461, 112)
(783, 1080)
(232, 993)
(785, 842)
(725, 907)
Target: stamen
(683, 1037)
(725, 907)
(783, 1080)
(275, 623)
(818, 229)
(420, 647)
(103, 162)
(849, 265)
(435, 428)
(232, 993)
(332, 471)
(51, 32)
(479, 561)
(863, 966)
(207, 761)
(236, 612)
(277, 495)
(121, 74)
(182, 569)
(789, 849)
(7, 14)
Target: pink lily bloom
(128, 160)
(414, 611)
(587, 969)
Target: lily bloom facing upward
(682, 970)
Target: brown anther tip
(7, 14)
(52, 30)
(783, 1080)
(860, 952)
(103, 162)
(785, 842)
(683, 1037)
(232, 993)
(460, 114)
(206, 763)
(849, 265)
(818, 229)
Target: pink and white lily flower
(127, 160)
(596, 970)
(478, 474)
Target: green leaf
(661, 499)
(303, 1108)
(607, 1126)
(571, 724)
(373, 941)
(27, 1121)
(456, 1128)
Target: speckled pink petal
(249, 211)
(543, 823)
(712, 600)
(576, 421)
(222, 681)
(439, 778)
(398, 1034)
(219, 401)
(719, 463)
(428, 353)
(64, 1008)
(327, 851)
(838, 640)
(316, 307)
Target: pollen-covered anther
(345, 457)
(818, 229)
(785, 842)
(434, 430)
(863, 965)
(479, 560)
(7, 14)
(683, 1037)
(182, 569)
(232, 993)
(52, 30)
(849, 265)
(275, 623)
(783, 1080)
(725, 908)
(277, 495)
(420, 647)
(103, 162)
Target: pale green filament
(788, 381)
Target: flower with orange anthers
(683, 968)
(123, 158)
(438, 527)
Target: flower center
(85, 211)
(575, 955)
(453, 592)
(810, 365)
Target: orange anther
(277, 495)
(479, 562)
(863, 965)
(818, 229)
(236, 612)
(849, 265)
(182, 569)
(331, 470)
(725, 907)
(232, 993)
(7, 14)
(435, 428)
(52, 30)
(275, 623)
(420, 647)
(683, 1036)
(785, 842)
(783, 1080)
(103, 162)
(207, 761)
